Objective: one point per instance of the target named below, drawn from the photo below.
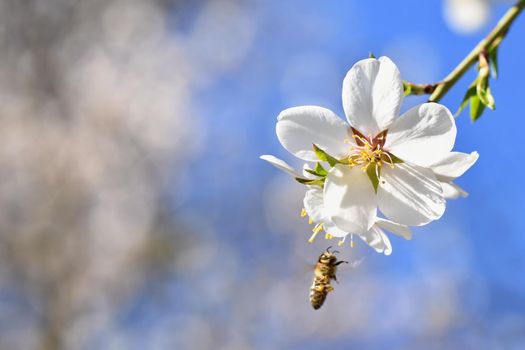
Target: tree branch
(491, 41)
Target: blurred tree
(91, 118)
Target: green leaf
(482, 81)
(373, 171)
(489, 99)
(313, 172)
(476, 108)
(470, 92)
(483, 89)
(318, 171)
(484, 98)
(317, 182)
(395, 159)
(493, 60)
(302, 180)
(324, 157)
(371, 55)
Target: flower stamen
(369, 151)
(318, 228)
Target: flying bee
(324, 273)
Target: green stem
(419, 89)
(438, 90)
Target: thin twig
(493, 39)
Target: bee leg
(335, 279)
(329, 288)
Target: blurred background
(135, 213)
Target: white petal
(423, 135)
(299, 128)
(314, 206)
(410, 195)
(313, 203)
(453, 165)
(281, 165)
(349, 199)
(372, 95)
(378, 240)
(398, 229)
(335, 231)
(452, 191)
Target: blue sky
(299, 54)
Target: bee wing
(304, 268)
(355, 264)
(308, 269)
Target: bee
(324, 273)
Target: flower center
(369, 151)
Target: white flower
(314, 208)
(450, 167)
(397, 164)
(374, 237)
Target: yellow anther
(352, 241)
(341, 242)
(310, 221)
(318, 228)
(328, 236)
(303, 213)
(370, 151)
(351, 161)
